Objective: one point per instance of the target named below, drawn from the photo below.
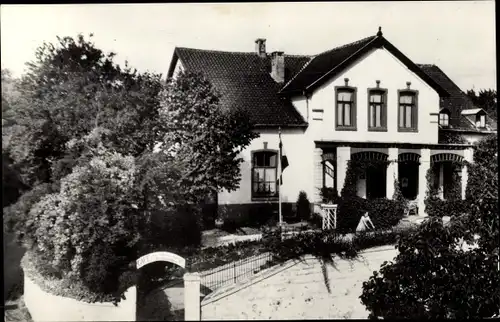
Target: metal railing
(234, 272)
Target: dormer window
(481, 120)
(444, 118)
(345, 101)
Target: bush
(16, 216)
(303, 206)
(89, 230)
(431, 278)
(434, 276)
(329, 195)
(51, 281)
(176, 226)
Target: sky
(458, 36)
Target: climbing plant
(453, 204)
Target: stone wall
(44, 306)
(297, 290)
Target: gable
(333, 62)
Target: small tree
(303, 206)
(211, 137)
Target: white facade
(305, 172)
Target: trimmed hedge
(385, 213)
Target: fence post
(192, 309)
(234, 271)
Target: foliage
(303, 206)
(449, 137)
(329, 195)
(17, 215)
(88, 229)
(12, 184)
(485, 99)
(82, 137)
(45, 278)
(447, 271)
(212, 138)
(71, 88)
(384, 213)
(453, 204)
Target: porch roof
(437, 146)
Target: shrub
(349, 212)
(16, 215)
(303, 206)
(52, 282)
(434, 276)
(89, 230)
(176, 226)
(329, 195)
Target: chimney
(278, 66)
(260, 47)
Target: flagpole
(279, 184)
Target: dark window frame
(334, 164)
(255, 195)
(383, 110)
(353, 91)
(414, 110)
(447, 114)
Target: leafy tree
(71, 88)
(447, 271)
(211, 137)
(98, 191)
(485, 99)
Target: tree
(212, 138)
(71, 88)
(485, 99)
(98, 193)
(447, 271)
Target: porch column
(425, 164)
(317, 177)
(343, 157)
(468, 156)
(392, 172)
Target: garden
(107, 164)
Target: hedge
(66, 286)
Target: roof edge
(173, 63)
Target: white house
(363, 100)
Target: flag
(284, 162)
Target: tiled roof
(457, 102)
(321, 64)
(244, 80)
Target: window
(444, 119)
(346, 108)
(481, 120)
(377, 110)
(407, 112)
(329, 174)
(264, 174)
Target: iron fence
(234, 272)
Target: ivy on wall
(434, 205)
